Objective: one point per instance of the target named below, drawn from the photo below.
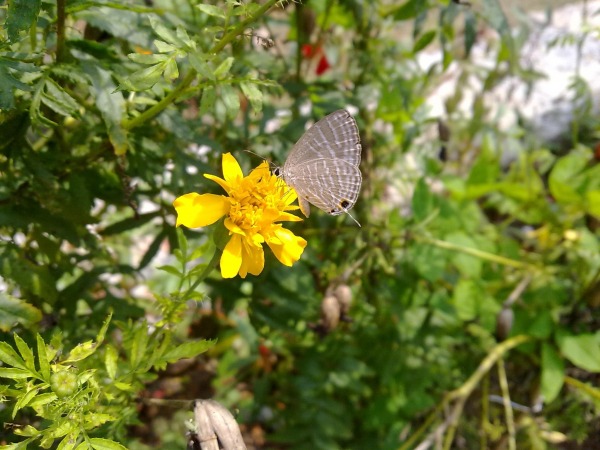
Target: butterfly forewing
(335, 137)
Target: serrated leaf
(81, 351)
(111, 105)
(110, 361)
(14, 310)
(171, 70)
(43, 399)
(163, 47)
(10, 357)
(139, 346)
(200, 63)
(231, 99)
(166, 34)
(212, 10)
(25, 352)
(224, 67)
(15, 374)
(147, 59)
(21, 16)
(253, 94)
(582, 350)
(43, 359)
(106, 444)
(207, 102)
(187, 350)
(170, 269)
(24, 400)
(553, 372)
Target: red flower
(310, 51)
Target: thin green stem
(508, 411)
(207, 270)
(477, 253)
(60, 31)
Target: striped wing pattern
(323, 165)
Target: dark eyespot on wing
(344, 203)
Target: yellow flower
(253, 206)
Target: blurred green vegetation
(474, 281)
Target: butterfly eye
(277, 171)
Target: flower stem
(212, 264)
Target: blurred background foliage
(473, 282)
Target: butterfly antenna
(357, 223)
(271, 164)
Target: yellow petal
(284, 216)
(286, 246)
(231, 259)
(231, 169)
(220, 181)
(253, 260)
(195, 210)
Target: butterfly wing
(334, 137)
(332, 185)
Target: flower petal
(253, 260)
(231, 259)
(231, 169)
(286, 246)
(220, 181)
(195, 210)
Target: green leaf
(57, 99)
(582, 350)
(424, 41)
(553, 371)
(223, 68)
(143, 79)
(200, 63)
(172, 270)
(231, 99)
(129, 223)
(562, 179)
(21, 16)
(469, 266)
(81, 351)
(171, 70)
(15, 374)
(424, 203)
(110, 103)
(24, 400)
(465, 299)
(139, 345)
(43, 359)
(25, 352)
(110, 361)
(207, 103)
(43, 399)
(187, 350)
(10, 357)
(163, 47)
(106, 444)
(253, 94)
(166, 34)
(212, 10)
(147, 59)
(592, 200)
(14, 310)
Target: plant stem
(207, 270)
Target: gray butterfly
(323, 165)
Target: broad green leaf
(10, 357)
(231, 99)
(223, 68)
(553, 372)
(563, 179)
(187, 350)
(212, 10)
(592, 199)
(14, 310)
(253, 94)
(21, 16)
(582, 350)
